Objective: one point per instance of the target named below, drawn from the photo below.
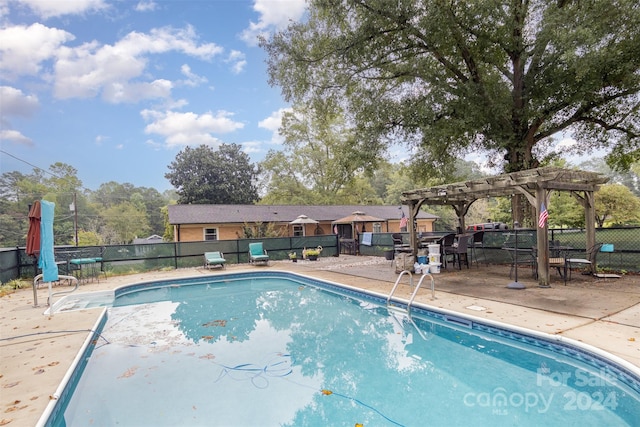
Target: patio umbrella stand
(515, 284)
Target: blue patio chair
(257, 254)
(214, 259)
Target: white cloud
(4, 8)
(237, 61)
(146, 6)
(274, 14)
(252, 147)
(181, 129)
(192, 78)
(84, 71)
(273, 123)
(565, 143)
(51, 8)
(15, 103)
(23, 49)
(15, 136)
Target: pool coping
(615, 366)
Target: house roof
(207, 214)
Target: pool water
(278, 351)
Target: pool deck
(37, 350)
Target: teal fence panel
(624, 255)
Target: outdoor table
(427, 240)
(86, 268)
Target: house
(193, 223)
(144, 245)
(154, 238)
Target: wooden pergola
(535, 184)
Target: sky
(117, 88)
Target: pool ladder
(393, 309)
(415, 291)
(51, 295)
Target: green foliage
(168, 235)
(565, 211)
(453, 77)
(323, 161)
(89, 238)
(500, 210)
(127, 221)
(204, 176)
(616, 205)
(12, 285)
(259, 230)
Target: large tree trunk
(520, 158)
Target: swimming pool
(272, 348)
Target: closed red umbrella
(33, 235)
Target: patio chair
(398, 244)
(257, 254)
(591, 262)
(397, 239)
(446, 245)
(478, 242)
(212, 259)
(459, 252)
(556, 260)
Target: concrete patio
(37, 350)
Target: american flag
(544, 216)
(403, 221)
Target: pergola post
(413, 237)
(590, 222)
(542, 239)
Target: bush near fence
(123, 259)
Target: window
(210, 234)
(298, 230)
(377, 227)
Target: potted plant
(312, 254)
(293, 256)
(388, 253)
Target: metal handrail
(395, 286)
(51, 295)
(415, 291)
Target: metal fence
(122, 259)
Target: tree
(282, 184)
(616, 205)
(630, 178)
(112, 193)
(124, 222)
(204, 176)
(456, 76)
(322, 153)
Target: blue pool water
(283, 350)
